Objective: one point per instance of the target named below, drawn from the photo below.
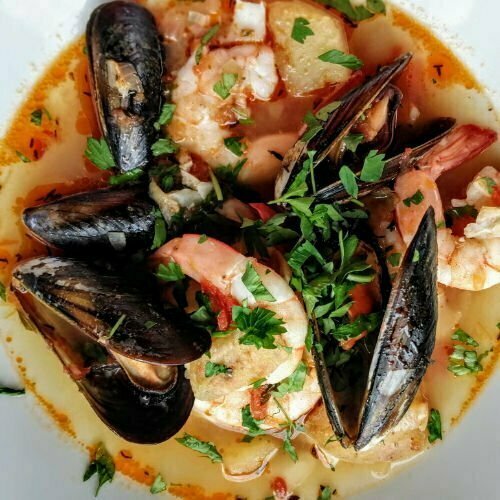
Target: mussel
(329, 141)
(401, 353)
(122, 352)
(103, 221)
(125, 60)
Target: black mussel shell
(328, 141)
(110, 309)
(406, 339)
(136, 415)
(125, 60)
(103, 221)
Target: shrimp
(274, 412)
(471, 262)
(219, 270)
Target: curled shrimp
(469, 262)
(219, 270)
(273, 411)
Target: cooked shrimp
(471, 262)
(219, 269)
(273, 412)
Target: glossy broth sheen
(436, 82)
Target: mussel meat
(125, 60)
(103, 221)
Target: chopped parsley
(313, 127)
(130, 176)
(164, 146)
(324, 112)
(116, 326)
(415, 199)
(348, 179)
(464, 361)
(394, 259)
(416, 256)
(23, 157)
(99, 154)
(259, 382)
(166, 115)
(235, 145)
(301, 29)
(7, 391)
(150, 324)
(103, 466)
(489, 183)
(158, 485)
(207, 449)
(254, 284)
(170, 272)
(37, 116)
(335, 56)
(243, 118)
(160, 235)
(205, 39)
(290, 428)
(293, 383)
(251, 424)
(212, 369)
(3, 292)
(259, 326)
(357, 13)
(202, 239)
(223, 87)
(373, 167)
(352, 141)
(434, 426)
(325, 493)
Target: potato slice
(298, 64)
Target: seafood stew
(260, 255)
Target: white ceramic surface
(36, 462)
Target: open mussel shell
(125, 60)
(406, 339)
(111, 310)
(335, 192)
(102, 221)
(328, 142)
(138, 416)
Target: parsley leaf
(205, 39)
(434, 426)
(325, 111)
(394, 259)
(130, 176)
(464, 337)
(117, 325)
(359, 12)
(202, 239)
(293, 383)
(23, 157)
(348, 179)
(415, 199)
(243, 118)
(250, 423)
(166, 115)
(313, 127)
(258, 383)
(7, 391)
(170, 272)
(335, 56)
(463, 361)
(99, 154)
(254, 284)
(206, 448)
(223, 87)
(326, 493)
(288, 446)
(258, 325)
(212, 369)
(235, 145)
(160, 235)
(103, 466)
(301, 29)
(36, 117)
(373, 167)
(3, 294)
(158, 485)
(164, 146)
(302, 253)
(416, 256)
(489, 183)
(352, 141)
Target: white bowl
(36, 462)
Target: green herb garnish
(254, 284)
(293, 383)
(373, 167)
(235, 145)
(158, 485)
(7, 391)
(223, 87)
(164, 146)
(130, 176)
(3, 292)
(463, 361)
(352, 141)
(348, 179)
(166, 115)
(207, 449)
(434, 426)
(250, 423)
(23, 157)
(415, 199)
(117, 325)
(160, 235)
(335, 56)
(394, 259)
(99, 154)
(301, 29)
(103, 466)
(205, 39)
(212, 369)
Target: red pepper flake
(258, 403)
(279, 487)
(221, 304)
